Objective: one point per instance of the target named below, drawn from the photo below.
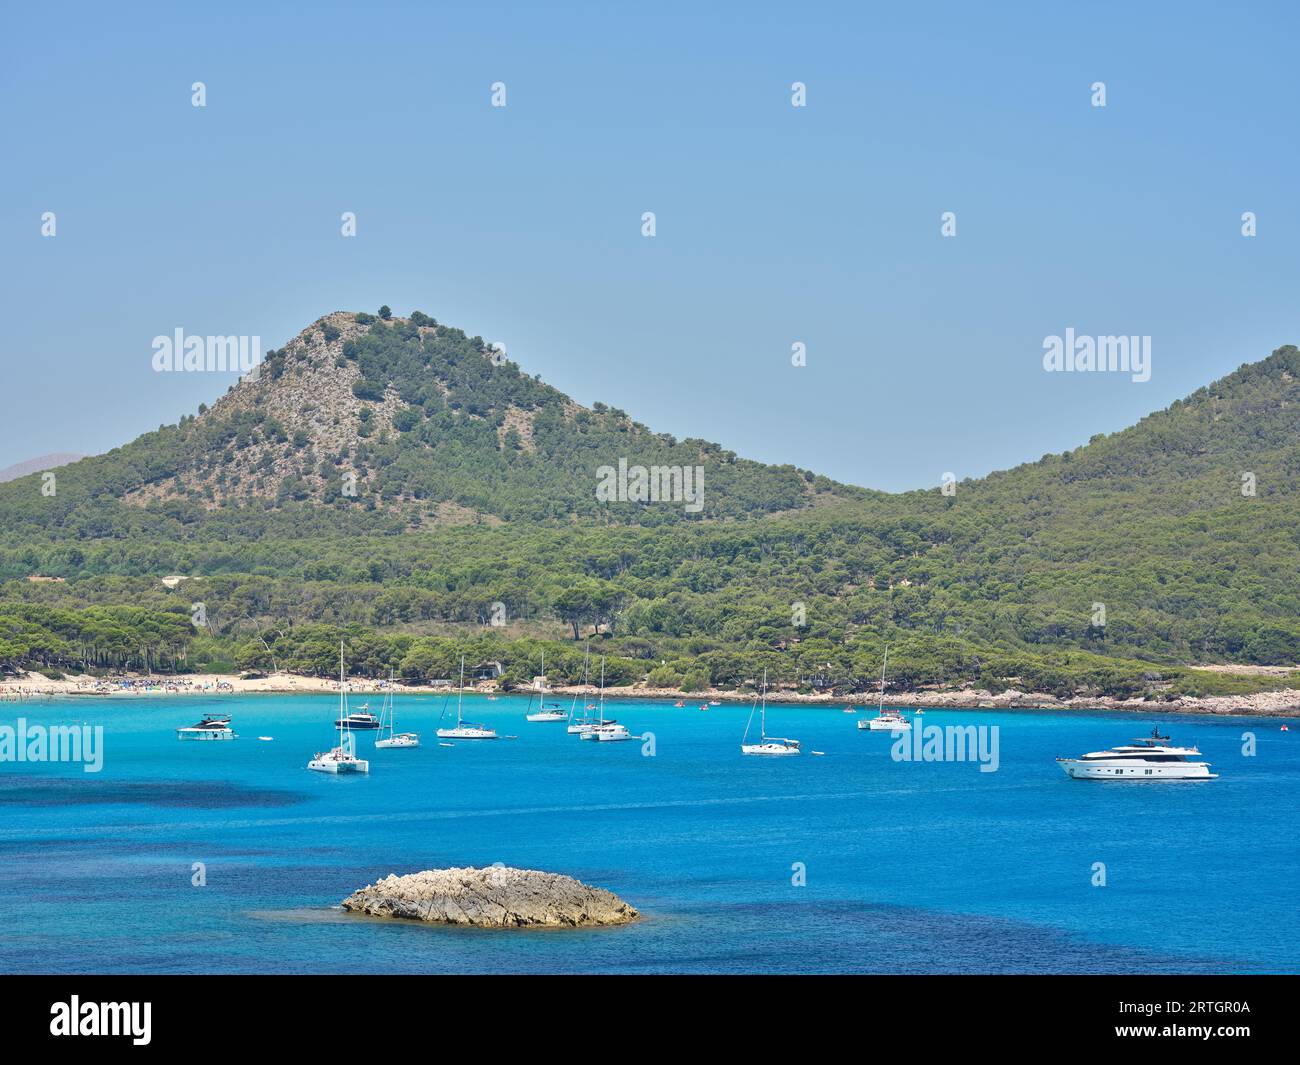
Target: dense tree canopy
(1110, 568)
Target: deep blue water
(929, 867)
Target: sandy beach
(1282, 703)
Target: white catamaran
(605, 731)
(464, 731)
(387, 718)
(545, 711)
(770, 745)
(885, 720)
(341, 759)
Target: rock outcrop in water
(493, 897)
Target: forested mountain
(406, 422)
(1105, 569)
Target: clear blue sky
(775, 224)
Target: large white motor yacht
(1146, 759)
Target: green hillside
(476, 486)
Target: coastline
(1282, 703)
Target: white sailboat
(341, 759)
(605, 731)
(545, 711)
(769, 745)
(584, 723)
(387, 717)
(464, 731)
(885, 720)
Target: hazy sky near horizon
(774, 224)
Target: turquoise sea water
(910, 867)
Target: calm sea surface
(910, 867)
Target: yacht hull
(326, 765)
(1077, 769)
(606, 734)
(466, 734)
(771, 750)
(398, 741)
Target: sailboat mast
(586, 676)
(460, 695)
(602, 689)
(762, 717)
(389, 701)
(345, 733)
(880, 708)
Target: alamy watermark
(1073, 353)
(205, 354)
(951, 743)
(651, 484)
(53, 743)
(77, 1018)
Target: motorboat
(1149, 758)
(211, 727)
(359, 721)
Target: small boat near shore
(1150, 758)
